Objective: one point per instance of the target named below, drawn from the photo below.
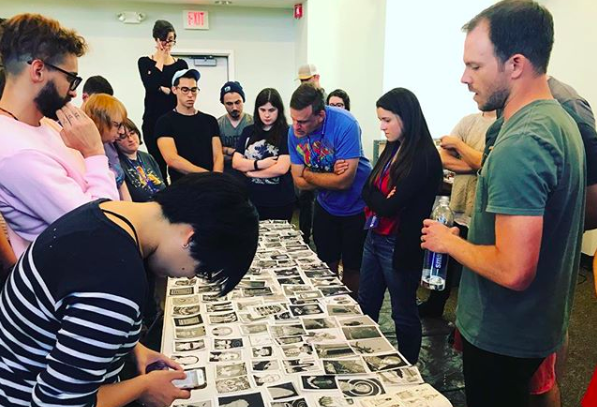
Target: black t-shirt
(158, 103)
(275, 191)
(193, 137)
(143, 176)
(589, 139)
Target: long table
(289, 335)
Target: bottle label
(437, 260)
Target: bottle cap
(444, 200)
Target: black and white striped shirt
(70, 311)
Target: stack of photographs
(289, 334)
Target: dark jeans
(493, 380)
(305, 204)
(377, 274)
(148, 129)
(276, 212)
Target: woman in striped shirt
(71, 309)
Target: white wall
(262, 41)
(345, 40)
(423, 53)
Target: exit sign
(195, 20)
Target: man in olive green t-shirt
(524, 241)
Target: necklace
(10, 114)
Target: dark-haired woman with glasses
(262, 155)
(142, 173)
(156, 73)
(109, 114)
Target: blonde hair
(102, 108)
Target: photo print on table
(279, 331)
(206, 403)
(180, 301)
(184, 282)
(298, 402)
(189, 333)
(260, 340)
(287, 272)
(291, 280)
(364, 387)
(265, 365)
(223, 318)
(211, 298)
(186, 361)
(324, 281)
(249, 318)
(372, 346)
(261, 379)
(289, 340)
(340, 300)
(186, 310)
(233, 385)
(334, 401)
(284, 316)
(186, 346)
(344, 366)
(361, 332)
(282, 391)
(292, 366)
(378, 363)
(222, 344)
(219, 307)
(253, 329)
(297, 351)
(293, 290)
(320, 382)
(258, 352)
(257, 292)
(362, 320)
(309, 295)
(297, 301)
(401, 377)
(339, 310)
(251, 284)
(334, 290)
(181, 291)
(313, 324)
(222, 331)
(334, 350)
(225, 356)
(231, 370)
(309, 309)
(324, 336)
(188, 321)
(267, 310)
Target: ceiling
(235, 3)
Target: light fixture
(131, 17)
(223, 3)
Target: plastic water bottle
(435, 265)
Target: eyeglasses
(119, 126)
(72, 77)
(173, 42)
(128, 134)
(186, 90)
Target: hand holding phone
(195, 380)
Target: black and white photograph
(297, 351)
(296, 280)
(289, 340)
(344, 366)
(223, 318)
(222, 344)
(260, 340)
(206, 403)
(298, 402)
(185, 346)
(222, 331)
(265, 365)
(334, 350)
(361, 332)
(340, 310)
(363, 320)
(324, 336)
(191, 300)
(186, 310)
(250, 318)
(219, 307)
(258, 352)
(266, 310)
(186, 360)
(282, 391)
(251, 284)
(189, 333)
(321, 382)
(188, 321)
(292, 366)
(309, 295)
(400, 377)
(284, 316)
(313, 324)
(253, 329)
(233, 385)
(372, 346)
(287, 272)
(340, 300)
(310, 309)
(334, 401)
(297, 301)
(379, 363)
(211, 298)
(262, 379)
(181, 291)
(334, 290)
(257, 292)
(361, 387)
(293, 290)
(324, 281)
(279, 331)
(225, 356)
(231, 370)
(183, 282)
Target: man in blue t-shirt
(320, 137)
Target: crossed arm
(167, 147)
(305, 179)
(469, 161)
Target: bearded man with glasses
(45, 171)
(189, 140)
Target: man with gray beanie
(232, 124)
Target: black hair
(225, 221)
(279, 130)
(339, 93)
(415, 140)
(97, 84)
(307, 94)
(518, 27)
(162, 28)
(188, 74)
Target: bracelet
(255, 165)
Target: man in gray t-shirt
(232, 124)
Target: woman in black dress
(156, 73)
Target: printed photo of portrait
(229, 356)
(223, 344)
(312, 324)
(265, 365)
(221, 331)
(344, 366)
(234, 385)
(279, 331)
(185, 346)
(258, 352)
(231, 370)
(267, 378)
(297, 351)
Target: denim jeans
(377, 274)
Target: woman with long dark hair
(262, 155)
(399, 194)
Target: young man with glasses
(45, 174)
(232, 124)
(189, 140)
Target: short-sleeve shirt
(193, 137)
(230, 134)
(535, 168)
(339, 138)
(275, 191)
(471, 130)
(143, 176)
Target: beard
(48, 101)
(495, 101)
(235, 114)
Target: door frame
(191, 52)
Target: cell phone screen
(195, 380)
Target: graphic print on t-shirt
(258, 151)
(317, 156)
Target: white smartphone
(195, 380)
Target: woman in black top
(156, 72)
(262, 155)
(399, 194)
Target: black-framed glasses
(173, 42)
(186, 90)
(72, 77)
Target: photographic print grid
(288, 335)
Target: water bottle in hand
(435, 265)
